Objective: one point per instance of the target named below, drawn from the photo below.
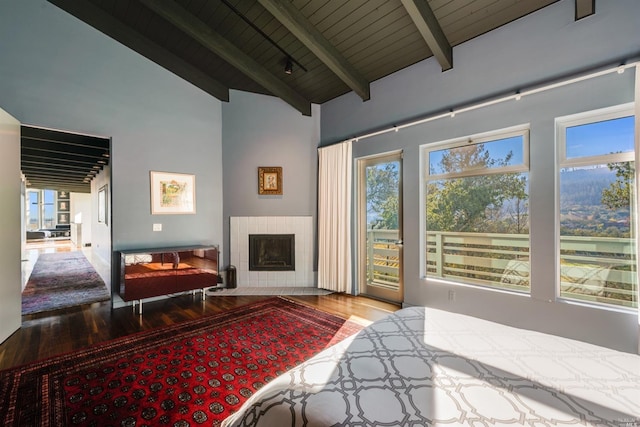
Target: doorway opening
(63, 173)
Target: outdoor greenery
(618, 195)
(485, 203)
(595, 201)
(382, 196)
(476, 197)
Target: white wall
(60, 73)
(542, 46)
(101, 232)
(10, 225)
(81, 205)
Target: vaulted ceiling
(329, 47)
(333, 46)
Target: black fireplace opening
(272, 252)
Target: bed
(422, 366)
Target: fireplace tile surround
(241, 227)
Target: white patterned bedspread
(421, 367)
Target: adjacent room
(370, 212)
(59, 269)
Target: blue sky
(592, 139)
(498, 150)
(610, 136)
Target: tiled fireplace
(299, 274)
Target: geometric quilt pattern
(422, 367)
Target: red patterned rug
(194, 373)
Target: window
(597, 207)
(477, 210)
(40, 209)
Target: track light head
(288, 66)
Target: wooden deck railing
(597, 269)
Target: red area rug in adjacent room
(193, 373)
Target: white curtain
(334, 217)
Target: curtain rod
(620, 68)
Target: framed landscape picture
(269, 180)
(173, 193)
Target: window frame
(561, 125)
(523, 130)
(585, 118)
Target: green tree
(618, 195)
(382, 195)
(476, 203)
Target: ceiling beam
(585, 8)
(55, 159)
(107, 24)
(429, 27)
(226, 50)
(306, 32)
(58, 186)
(79, 150)
(54, 152)
(32, 162)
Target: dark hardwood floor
(48, 334)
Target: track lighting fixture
(288, 66)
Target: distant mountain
(583, 187)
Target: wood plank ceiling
(335, 46)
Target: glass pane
(478, 230)
(605, 137)
(597, 245)
(382, 203)
(48, 209)
(49, 196)
(488, 155)
(33, 211)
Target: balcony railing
(383, 260)
(595, 269)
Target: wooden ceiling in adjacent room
(56, 160)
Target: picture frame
(270, 180)
(63, 205)
(63, 218)
(172, 193)
(102, 205)
(63, 195)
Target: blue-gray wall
(264, 131)
(58, 72)
(544, 45)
